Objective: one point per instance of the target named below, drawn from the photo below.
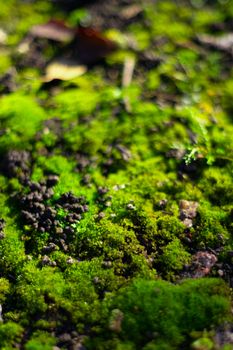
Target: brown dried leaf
(54, 30)
(88, 45)
(91, 45)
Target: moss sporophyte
(116, 182)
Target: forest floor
(116, 175)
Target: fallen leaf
(87, 44)
(54, 30)
(90, 45)
(63, 69)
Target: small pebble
(70, 261)
(107, 264)
(130, 206)
(163, 203)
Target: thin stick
(127, 76)
(128, 70)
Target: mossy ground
(116, 280)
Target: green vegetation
(158, 315)
(94, 246)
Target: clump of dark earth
(16, 163)
(116, 157)
(34, 57)
(103, 199)
(84, 161)
(57, 217)
(8, 81)
(53, 125)
(193, 169)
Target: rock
(102, 190)
(224, 335)
(65, 337)
(49, 248)
(47, 261)
(162, 203)
(202, 264)
(176, 153)
(100, 216)
(59, 230)
(96, 280)
(188, 222)
(107, 264)
(130, 206)
(64, 246)
(70, 261)
(188, 211)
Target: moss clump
(174, 256)
(4, 289)
(40, 340)
(158, 315)
(16, 108)
(10, 334)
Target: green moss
(171, 142)
(4, 288)
(218, 186)
(10, 333)
(55, 164)
(203, 343)
(75, 102)
(210, 226)
(162, 313)
(40, 340)
(174, 256)
(21, 117)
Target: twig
(128, 70)
(127, 76)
